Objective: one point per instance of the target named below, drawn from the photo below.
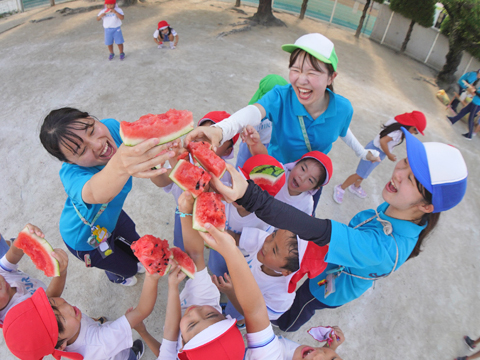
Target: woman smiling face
(89, 144)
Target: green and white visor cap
(317, 45)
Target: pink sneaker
(338, 193)
(357, 191)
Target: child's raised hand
(337, 339)
(185, 202)
(175, 276)
(223, 284)
(238, 189)
(250, 136)
(62, 258)
(211, 134)
(218, 240)
(155, 276)
(35, 230)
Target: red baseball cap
(221, 340)
(312, 262)
(216, 117)
(161, 25)
(324, 160)
(31, 332)
(275, 184)
(415, 118)
(110, 2)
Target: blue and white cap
(440, 168)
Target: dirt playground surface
(420, 312)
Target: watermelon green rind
(34, 245)
(268, 172)
(135, 141)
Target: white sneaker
(129, 282)
(140, 268)
(172, 46)
(160, 46)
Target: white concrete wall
(420, 42)
(8, 6)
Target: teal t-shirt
(74, 232)
(365, 251)
(283, 108)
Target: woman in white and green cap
(306, 114)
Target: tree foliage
(462, 26)
(364, 15)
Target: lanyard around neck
(100, 211)
(304, 132)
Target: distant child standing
(164, 33)
(112, 17)
(389, 137)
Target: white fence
(7, 6)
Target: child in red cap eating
(112, 17)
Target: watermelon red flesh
(166, 127)
(39, 250)
(210, 161)
(153, 253)
(190, 177)
(208, 208)
(186, 263)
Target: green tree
(419, 11)
(364, 15)
(462, 26)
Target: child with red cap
(15, 285)
(164, 33)
(203, 332)
(41, 326)
(112, 17)
(389, 137)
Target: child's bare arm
(174, 311)
(152, 343)
(249, 297)
(120, 16)
(14, 254)
(252, 138)
(148, 297)
(235, 236)
(57, 284)
(99, 17)
(384, 145)
(191, 239)
(224, 285)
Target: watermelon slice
(153, 253)
(267, 176)
(208, 208)
(207, 158)
(186, 263)
(189, 177)
(166, 127)
(39, 250)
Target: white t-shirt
(25, 285)
(395, 135)
(157, 32)
(264, 129)
(265, 345)
(236, 223)
(198, 291)
(110, 20)
(303, 201)
(110, 341)
(274, 288)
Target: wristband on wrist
(182, 214)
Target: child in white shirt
(112, 17)
(16, 286)
(165, 33)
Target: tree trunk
(237, 3)
(52, 2)
(303, 10)
(362, 19)
(455, 51)
(407, 37)
(264, 14)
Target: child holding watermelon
(97, 176)
(43, 325)
(432, 179)
(15, 285)
(112, 17)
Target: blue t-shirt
(469, 77)
(365, 251)
(74, 232)
(283, 108)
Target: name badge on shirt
(330, 283)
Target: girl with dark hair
(389, 137)
(97, 176)
(306, 114)
(165, 33)
(432, 179)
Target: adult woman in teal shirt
(306, 115)
(97, 176)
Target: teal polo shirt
(365, 251)
(283, 108)
(74, 232)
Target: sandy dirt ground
(420, 312)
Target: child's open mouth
(306, 350)
(294, 183)
(391, 187)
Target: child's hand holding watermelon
(238, 189)
(218, 240)
(185, 203)
(175, 276)
(211, 134)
